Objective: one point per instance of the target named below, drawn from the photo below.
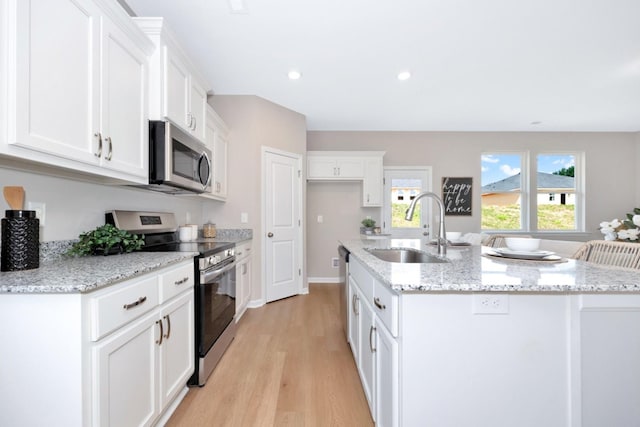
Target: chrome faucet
(442, 235)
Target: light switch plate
(244, 217)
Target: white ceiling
(492, 65)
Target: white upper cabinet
(217, 140)
(125, 129)
(177, 91)
(365, 166)
(76, 98)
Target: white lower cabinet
(117, 356)
(366, 361)
(139, 369)
(243, 278)
(387, 377)
(374, 347)
(125, 374)
(177, 351)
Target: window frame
(425, 173)
(529, 190)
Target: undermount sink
(411, 256)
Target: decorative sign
(456, 195)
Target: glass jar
(209, 230)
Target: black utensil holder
(20, 241)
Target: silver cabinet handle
(189, 120)
(269, 234)
(371, 331)
(135, 303)
(195, 122)
(159, 341)
(376, 301)
(180, 282)
(367, 198)
(168, 326)
(110, 148)
(99, 136)
(244, 269)
(354, 304)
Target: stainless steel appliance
(215, 282)
(178, 163)
(343, 272)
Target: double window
(523, 192)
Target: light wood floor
(289, 365)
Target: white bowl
(453, 235)
(522, 243)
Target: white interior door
(282, 227)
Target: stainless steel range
(214, 288)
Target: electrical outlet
(244, 217)
(320, 219)
(335, 263)
(490, 304)
(40, 210)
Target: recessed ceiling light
(405, 75)
(238, 6)
(294, 74)
(536, 123)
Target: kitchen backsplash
(50, 251)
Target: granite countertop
(86, 274)
(471, 271)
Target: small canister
(209, 230)
(20, 241)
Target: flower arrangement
(627, 230)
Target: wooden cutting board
(14, 196)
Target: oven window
(185, 161)
(218, 308)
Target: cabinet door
(177, 351)
(219, 185)
(243, 286)
(321, 167)
(56, 77)
(387, 377)
(372, 187)
(177, 88)
(350, 168)
(125, 375)
(366, 353)
(198, 107)
(124, 104)
(353, 319)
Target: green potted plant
(368, 225)
(106, 240)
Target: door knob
(270, 234)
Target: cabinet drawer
(113, 309)
(362, 277)
(176, 281)
(385, 304)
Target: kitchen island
(485, 341)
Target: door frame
(263, 220)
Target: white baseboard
(323, 280)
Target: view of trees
(565, 171)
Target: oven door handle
(205, 276)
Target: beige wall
(610, 181)
(254, 123)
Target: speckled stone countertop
(470, 271)
(86, 274)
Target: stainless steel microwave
(178, 163)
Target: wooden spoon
(14, 197)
